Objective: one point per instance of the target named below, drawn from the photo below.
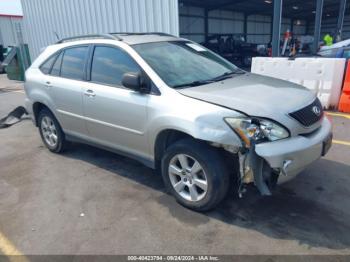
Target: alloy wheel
(188, 177)
(49, 131)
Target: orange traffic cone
(344, 103)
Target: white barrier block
(324, 76)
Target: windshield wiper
(227, 75)
(224, 76)
(194, 83)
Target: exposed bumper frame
(298, 152)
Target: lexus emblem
(316, 110)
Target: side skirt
(147, 162)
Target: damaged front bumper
(277, 162)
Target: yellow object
(339, 142)
(243, 136)
(8, 249)
(328, 39)
(338, 114)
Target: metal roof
(296, 9)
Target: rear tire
(195, 174)
(51, 132)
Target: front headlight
(257, 129)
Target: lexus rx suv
(197, 119)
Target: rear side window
(56, 68)
(346, 53)
(109, 64)
(73, 62)
(46, 66)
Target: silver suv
(177, 107)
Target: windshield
(181, 63)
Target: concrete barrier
(324, 76)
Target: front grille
(309, 115)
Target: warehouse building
(254, 21)
(47, 21)
(10, 22)
(9, 25)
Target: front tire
(51, 132)
(195, 174)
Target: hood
(255, 95)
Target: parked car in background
(200, 121)
(4, 52)
(234, 48)
(338, 50)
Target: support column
(245, 27)
(339, 31)
(276, 28)
(318, 22)
(271, 29)
(206, 24)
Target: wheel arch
(163, 140)
(37, 107)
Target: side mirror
(135, 81)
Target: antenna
(58, 38)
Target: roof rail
(103, 36)
(141, 33)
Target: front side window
(109, 64)
(73, 62)
(180, 63)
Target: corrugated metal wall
(8, 33)
(225, 22)
(220, 21)
(192, 23)
(259, 29)
(42, 18)
(229, 22)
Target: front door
(115, 116)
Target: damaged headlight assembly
(252, 168)
(256, 129)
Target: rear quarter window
(56, 68)
(46, 66)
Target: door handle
(89, 93)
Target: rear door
(68, 76)
(44, 80)
(115, 116)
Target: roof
(295, 9)
(14, 16)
